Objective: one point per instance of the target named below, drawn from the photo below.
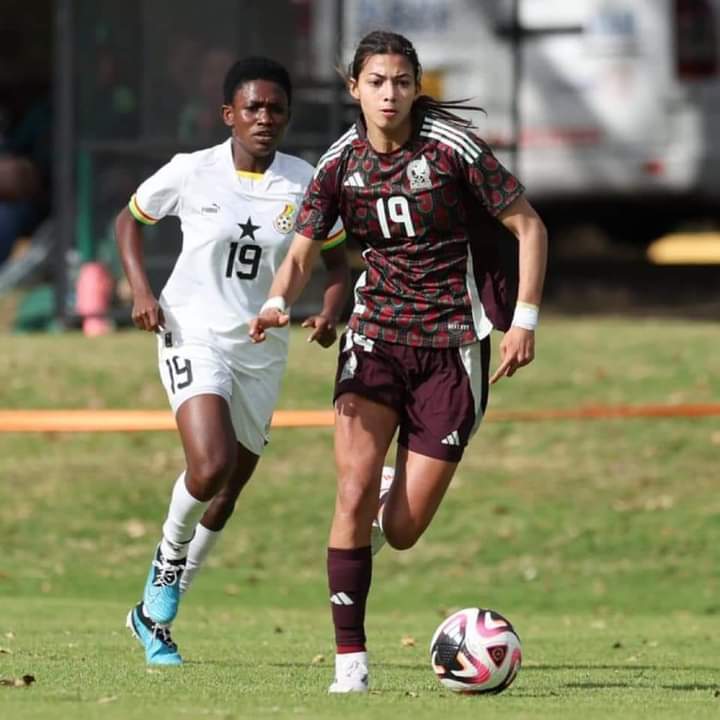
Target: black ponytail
(428, 106)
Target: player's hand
(324, 330)
(266, 319)
(516, 350)
(147, 313)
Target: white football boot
(351, 673)
(377, 536)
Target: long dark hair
(383, 42)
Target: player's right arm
(146, 311)
(291, 278)
(337, 285)
(158, 196)
(318, 214)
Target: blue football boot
(155, 638)
(162, 588)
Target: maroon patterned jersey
(433, 277)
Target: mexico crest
(418, 173)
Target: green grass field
(599, 539)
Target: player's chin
(386, 122)
(389, 121)
(262, 147)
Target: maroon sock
(349, 573)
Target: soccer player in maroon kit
(415, 187)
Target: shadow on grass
(693, 687)
(329, 664)
(545, 668)
(607, 685)
(625, 667)
(218, 663)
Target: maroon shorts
(440, 394)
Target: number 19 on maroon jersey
(398, 210)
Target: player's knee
(401, 532)
(402, 543)
(400, 538)
(207, 475)
(355, 498)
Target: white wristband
(276, 302)
(526, 316)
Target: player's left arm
(518, 346)
(337, 284)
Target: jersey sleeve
(336, 237)
(318, 217)
(159, 195)
(487, 179)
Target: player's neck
(383, 141)
(245, 162)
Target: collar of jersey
(262, 181)
(249, 175)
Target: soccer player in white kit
(236, 203)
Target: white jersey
(236, 230)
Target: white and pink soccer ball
(476, 651)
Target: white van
(612, 106)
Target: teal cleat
(155, 638)
(162, 588)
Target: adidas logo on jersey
(452, 439)
(354, 180)
(341, 599)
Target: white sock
(200, 546)
(183, 515)
(343, 661)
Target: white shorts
(193, 368)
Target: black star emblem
(248, 229)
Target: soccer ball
(476, 651)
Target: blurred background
(608, 111)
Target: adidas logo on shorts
(452, 439)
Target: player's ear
(228, 115)
(352, 85)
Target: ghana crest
(285, 221)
